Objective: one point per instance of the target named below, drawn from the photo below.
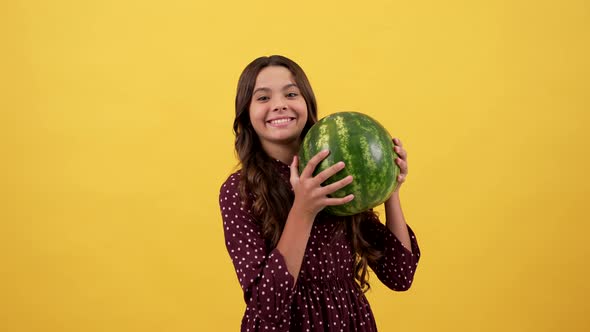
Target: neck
(283, 152)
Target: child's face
(278, 111)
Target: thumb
(293, 168)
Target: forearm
(395, 221)
(293, 241)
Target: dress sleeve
(263, 275)
(397, 266)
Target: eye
(262, 98)
(292, 94)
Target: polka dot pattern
(326, 296)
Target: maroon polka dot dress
(326, 296)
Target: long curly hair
(271, 200)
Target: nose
(279, 105)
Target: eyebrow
(268, 89)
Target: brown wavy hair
(271, 200)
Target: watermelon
(365, 147)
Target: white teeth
(280, 121)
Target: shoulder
(231, 182)
(230, 187)
(234, 209)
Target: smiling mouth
(281, 121)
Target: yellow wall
(116, 134)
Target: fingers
(332, 187)
(403, 166)
(399, 148)
(313, 163)
(308, 188)
(401, 152)
(402, 161)
(401, 178)
(328, 172)
(339, 201)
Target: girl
(301, 269)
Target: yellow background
(116, 135)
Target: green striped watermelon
(366, 148)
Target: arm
(397, 265)
(268, 275)
(310, 199)
(394, 216)
(395, 240)
(395, 221)
(262, 273)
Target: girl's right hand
(310, 196)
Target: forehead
(274, 76)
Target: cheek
(303, 111)
(254, 113)
(257, 119)
(304, 117)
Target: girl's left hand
(402, 162)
